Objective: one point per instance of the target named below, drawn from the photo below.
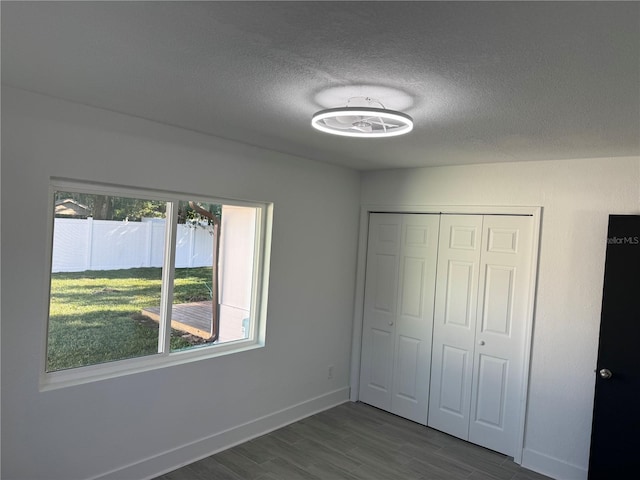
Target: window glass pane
(107, 282)
(106, 269)
(213, 273)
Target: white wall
(113, 425)
(576, 196)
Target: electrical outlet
(330, 372)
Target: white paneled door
(482, 300)
(454, 323)
(398, 313)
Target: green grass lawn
(95, 316)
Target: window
(146, 278)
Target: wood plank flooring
(354, 441)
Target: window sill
(94, 373)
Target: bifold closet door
(482, 299)
(398, 313)
(503, 304)
(454, 323)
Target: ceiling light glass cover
(362, 117)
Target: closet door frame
(356, 350)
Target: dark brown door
(615, 437)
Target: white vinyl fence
(87, 244)
(80, 245)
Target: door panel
(454, 323)
(408, 368)
(413, 283)
(460, 293)
(463, 237)
(398, 313)
(498, 299)
(615, 439)
(380, 363)
(482, 303)
(378, 336)
(492, 382)
(414, 324)
(503, 306)
(453, 384)
(385, 284)
(503, 240)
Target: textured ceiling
(484, 81)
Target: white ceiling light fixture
(361, 119)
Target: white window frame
(165, 357)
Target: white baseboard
(552, 467)
(164, 462)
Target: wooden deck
(195, 318)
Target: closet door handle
(481, 342)
(390, 324)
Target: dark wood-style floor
(354, 442)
